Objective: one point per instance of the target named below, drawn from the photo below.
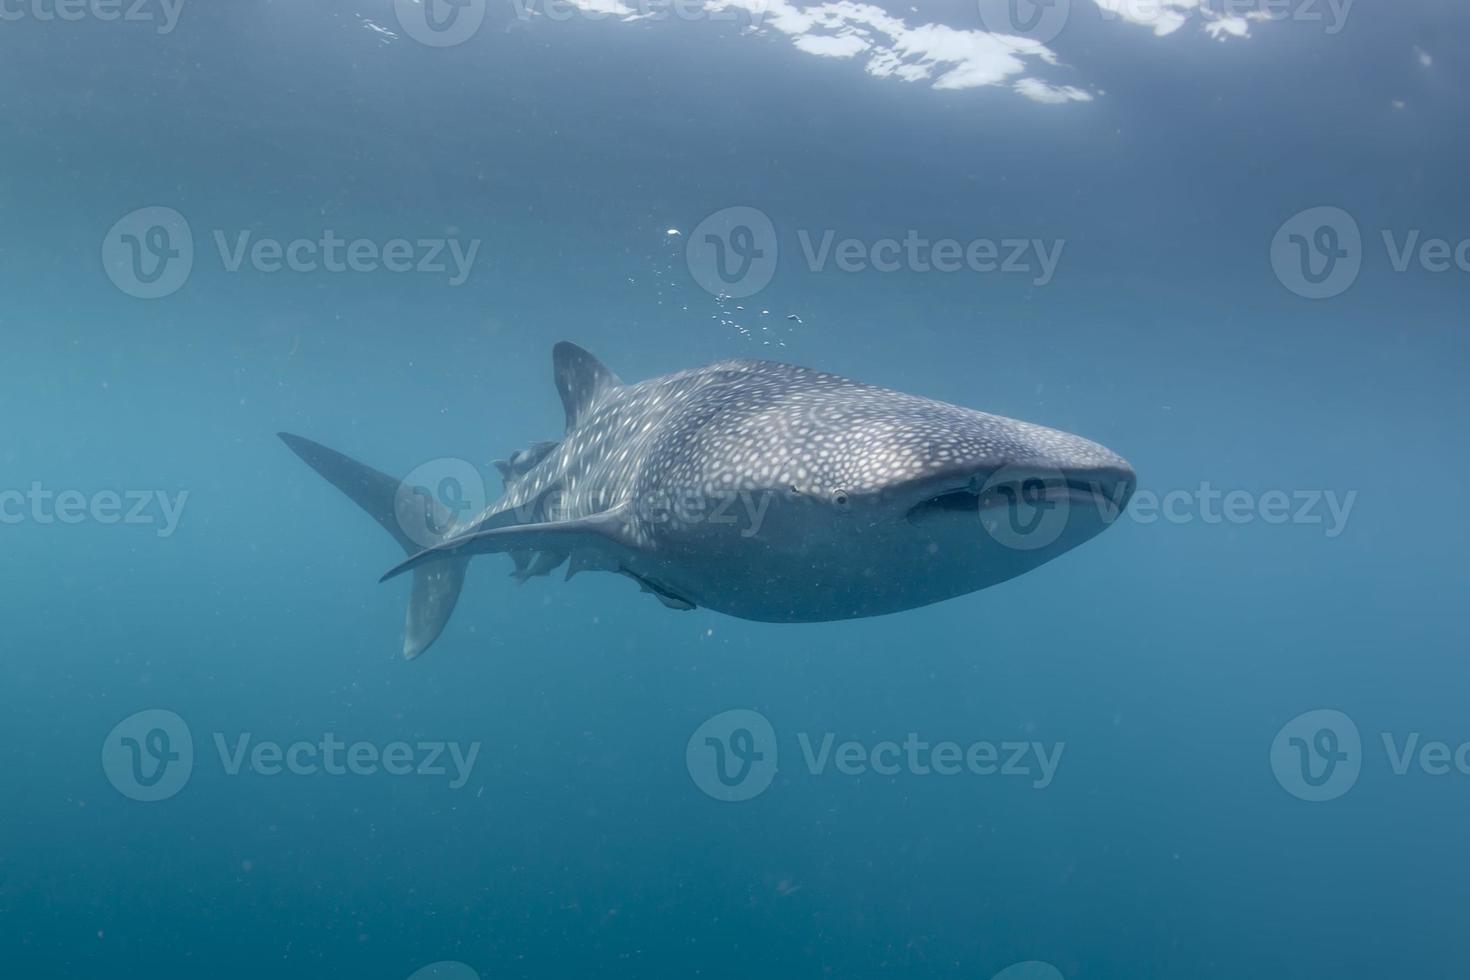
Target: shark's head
(880, 501)
(947, 470)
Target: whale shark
(758, 489)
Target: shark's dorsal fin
(580, 379)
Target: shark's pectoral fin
(606, 531)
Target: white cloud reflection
(945, 57)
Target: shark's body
(762, 490)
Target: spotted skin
(776, 492)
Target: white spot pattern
(746, 425)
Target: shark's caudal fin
(436, 586)
(437, 560)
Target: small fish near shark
(761, 490)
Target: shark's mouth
(1108, 497)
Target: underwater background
(1205, 817)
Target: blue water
(1166, 656)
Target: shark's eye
(840, 498)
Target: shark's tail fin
(436, 586)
